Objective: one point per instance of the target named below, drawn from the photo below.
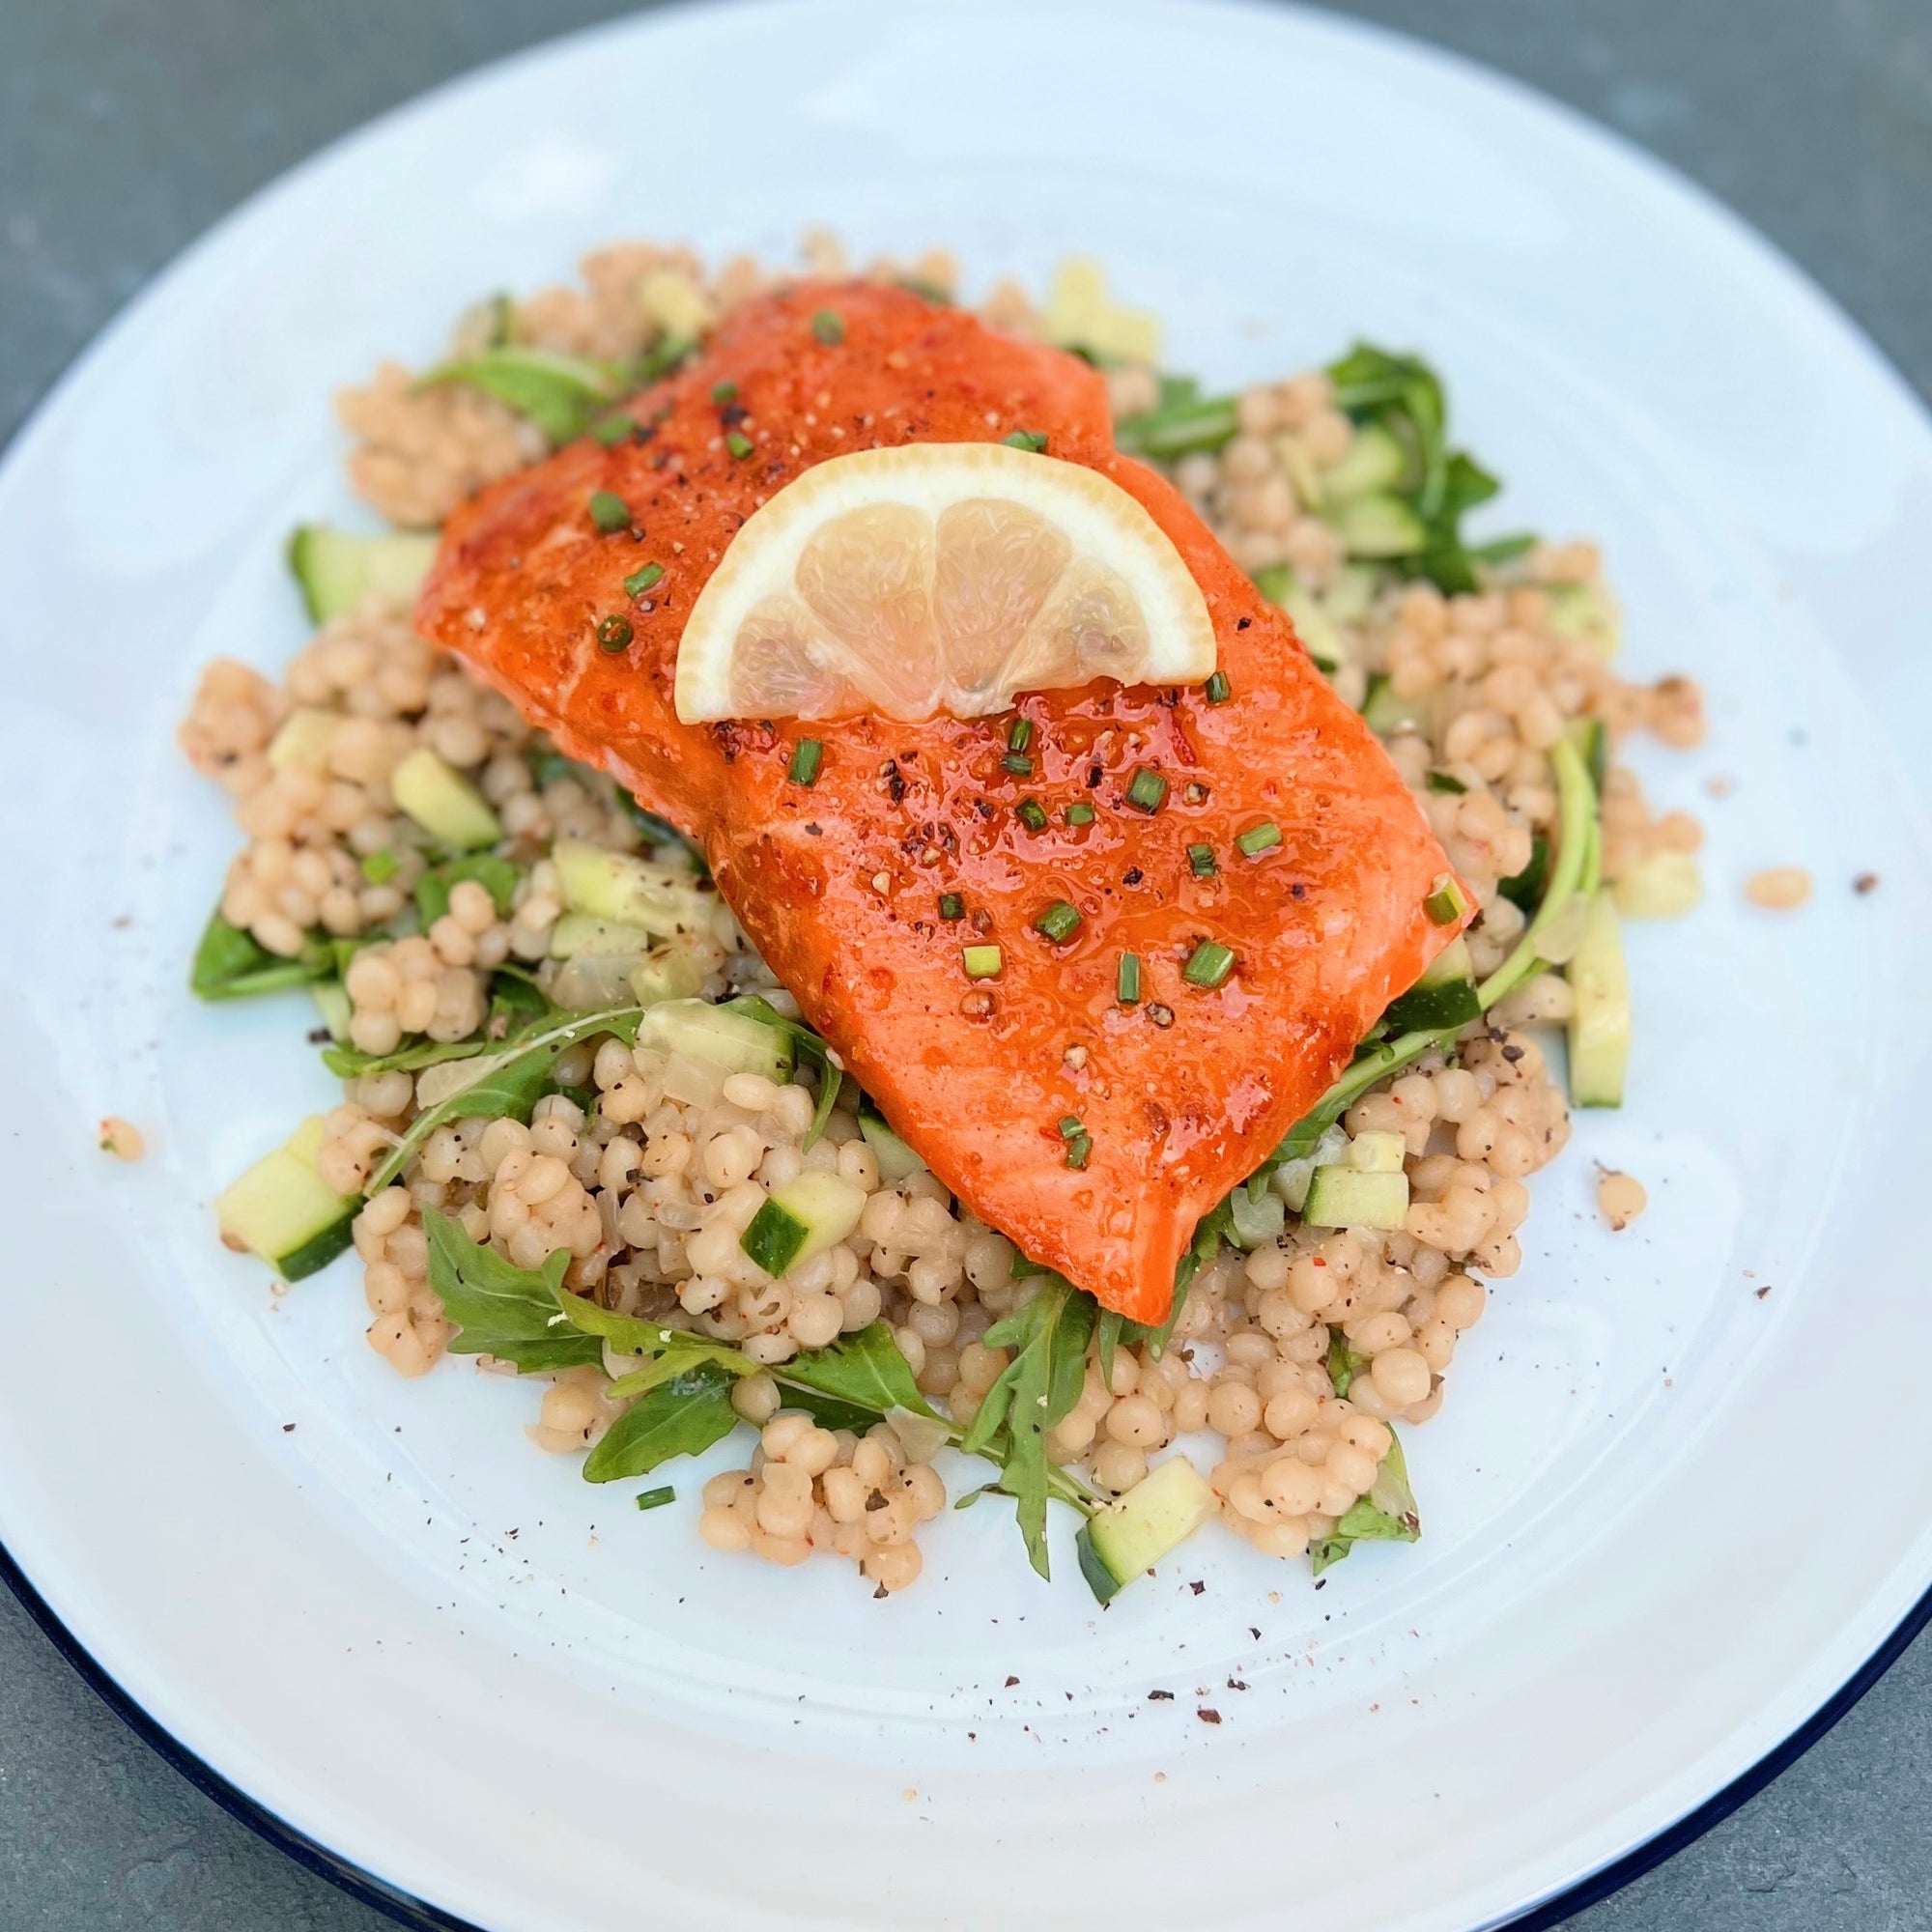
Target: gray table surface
(127, 126)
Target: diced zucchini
(668, 974)
(896, 1161)
(1378, 1152)
(444, 802)
(337, 571)
(802, 1219)
(332, 1002)
(1378, 526)
(1136, 1530)
(305, 739)
(283, 1210)
(737, 1042)
(1445, 995)
(1600, 1020)
(1345, 1196)
(1374, 462)
(1582, 612)
(1665, 885)
(1292, 1179)
(583, 934)
(630, 891)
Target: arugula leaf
(348, 1062)
(509, 1085)
(1036, 1389)
(865, 1370)
(501, 1309)
(230, 965)
(1387, 1514)
(499, 875)
(1344, 1365)
(683, 1416)
(558, 393)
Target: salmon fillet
(838, 885)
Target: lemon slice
(938, 577)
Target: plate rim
(405, 1908)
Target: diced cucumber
(735, 1041)
(1582, 612)
(337, 570)
(802, 1219)
(1080, 314)
(1375, 461)
(1385, 714)
(1378, 1152)
(1600, 1020)
(896, 1161)
(332, 1002)
(1378, 526)
(1350, 593)
(305, 739)
(630, 891)
(1345, 1196)
(1665, 885)
(1319, 638)
(444, 802)
(579, 936)
(1445, 996)
(283, 1210)
(1254, 1222)
(1292, 1179)
(1136, 1530)
(1292, 453)
(593, 982)
(668, 974)
(675, 302)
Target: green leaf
(501, 1309)
(558, 393)
(347, 1063)
(1387, 1514)
(1343, 1364)
(228, 964)
(865, 1370)
(509, 1085)
(683, 1416)
(1179, 429)
(499, 875)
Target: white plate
(1666, 1517)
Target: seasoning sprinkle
(724, 392)
(739, 444)
(1217, 690)
(1127, 979)
(1019, 734)
(828, 327)
(982, 962)
(1445, 904)
(1080, 812)
(640, 581)
(1078, 1148)
(1018, 763)
(1444, 781)
(1070, 1126)
(379, 868)
(615, 633)
(1058, 922)
(806, 755)
(1030, 439)
(1033, 815)
(608, 512)
(1200, 861)
(1146, 789)
(1259, 838)
(1208, 965)
(650, 1499)
(611, 431)
(951, 906)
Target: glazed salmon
(1182, 1091)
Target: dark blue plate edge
(413, 1911)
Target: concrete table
(127, 126)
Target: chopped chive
(1208, 965)
(1146, 789)
(1018, 763)
(1127, 979)
(1058, 922)
(1259, 838)
(615, 633)
(611, 431)
(1444, 781)
(1019, 734)
(1445, 904)
(608, 512)
(640, 581)
(828, 327)
(951, 906)
(982, 962)
(1028, 439)
(724, 392)
(651, 1499)
(806, 755)
(1217, 690)
(1078, 1148)
(379, 868)
(1200, 861)
(1033, 815)
(1080, 812)
(1070, 1126)
(739, 444)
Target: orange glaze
(975, 1076)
